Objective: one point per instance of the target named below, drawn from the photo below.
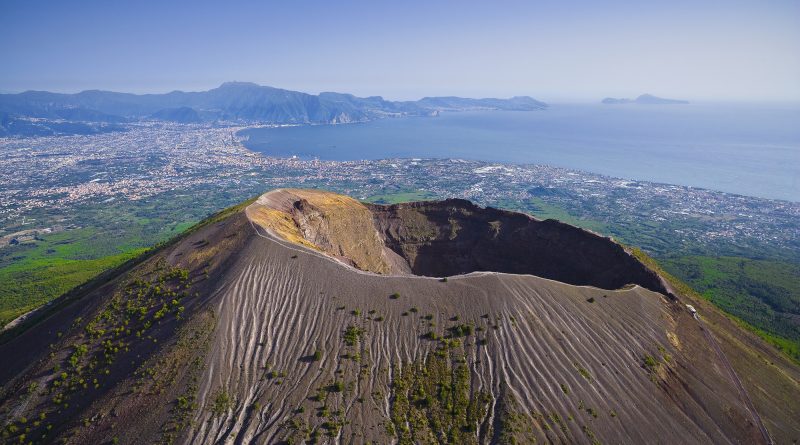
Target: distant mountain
(615, 101)
(518, 103)
(184, 115)
(238, 102)
(14, 125)
(645, 99)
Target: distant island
(644, 99)
(44, 113)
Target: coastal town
(44, 180)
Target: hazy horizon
(554, 51)
(548, 98)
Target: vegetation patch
(352, 335)
(461, 330)
(652, 365)
(763, 293)
(221, 402)
(432, 402)
(583, 371)
(193, 342)
(40, 276)
(514, 426)
(90, 354)
(786, 342)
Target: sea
(746, 149)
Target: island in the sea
(645, 99)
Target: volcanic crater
(446, 238)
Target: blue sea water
(749, 149)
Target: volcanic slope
(307, 316)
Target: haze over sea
(749, 149)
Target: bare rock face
(309, 317)
(335, 224)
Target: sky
(564, 50)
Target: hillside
(306, 316)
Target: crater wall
(446, 238)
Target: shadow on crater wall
(455, 237)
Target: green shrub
(650, 363)
(222, 403)
(352, 335)
(583, 372)
(461, 330)
(430, 335)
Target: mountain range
(231, 102)
(304, 316)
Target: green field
(542, 210)
(396, 198)
(36, 272)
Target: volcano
(305, 316)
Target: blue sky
(553, 50)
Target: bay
(748, 149)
